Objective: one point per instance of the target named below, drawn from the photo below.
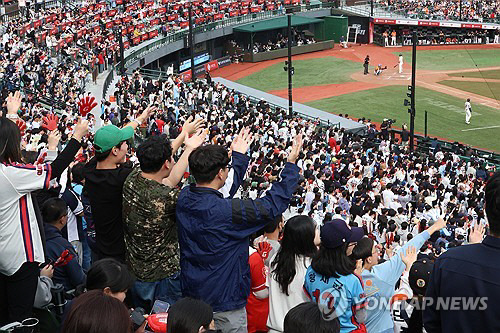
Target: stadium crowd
(246, 212)
(478, 11)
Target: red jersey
(257, 309)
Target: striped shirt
(20, 239)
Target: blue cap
(336, 233)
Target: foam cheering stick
(63, 259)
(41, 158)
(21, 124)
(86, 105)
(50, 122)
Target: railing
(322, 122)
(424, 146)
(14, 15)
(231, 21)
(107, 82)
(382, 10)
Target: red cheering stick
(86, 105)
(64, 259)
(21, 124)
(41, 158)
(50, 122)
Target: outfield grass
(454, 59)
(487, 89)
(310, 72)
(494, 74)
(446, 115)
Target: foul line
(480, 128)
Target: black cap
(419, 276)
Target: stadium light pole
(290, 68)
(413, 75)
(191, 40)
(122, 52)
(460, 10)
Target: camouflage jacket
(152, 247)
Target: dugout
(273, 30)
(434, 32)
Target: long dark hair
(10, 142)
(333, 262)
(95, 312)
(298, 239)
(187, 315)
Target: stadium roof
(276, 23)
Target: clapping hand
(243, 141)
(409, 257)
(296, 148)
(53, 140)
(477, 234)
(192, 125)
(146, 113)
(14, 102)
(196, 140)
(81, 129)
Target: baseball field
(333, 81)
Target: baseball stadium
(333, 81)
(249, 166)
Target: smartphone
(160, 307)
(137, 317)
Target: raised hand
(196, 140)
(86, 105)
(296, 148)
(146, 113)
(81, 129)
(438, 225)
(409, 257)
(14, 102)
(191, 125)
(50, 122)
(477, 234)
(243, 141)
(53, 140)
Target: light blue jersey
(380, 283)
(337, 297)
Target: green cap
(109, 136)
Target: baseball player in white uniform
(400, 64)
(468, 111)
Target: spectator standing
(214, 231)
(330, 280)
(469, 273)
(149, 199)
(381, 279)
(104, 178)
(288, 269)
(24, 248)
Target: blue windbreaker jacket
(213, 236)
